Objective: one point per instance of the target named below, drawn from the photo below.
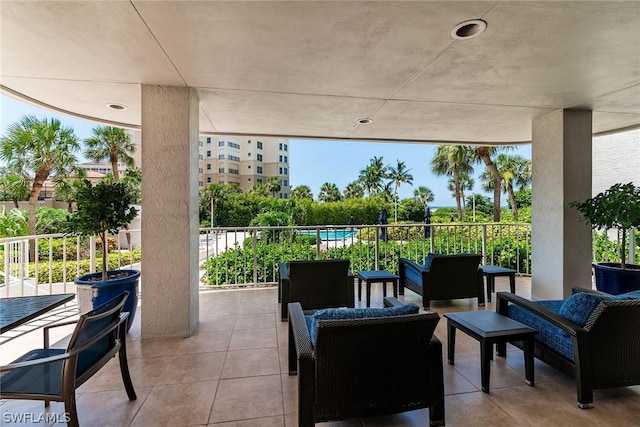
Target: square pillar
(561, 245)
(169, 280)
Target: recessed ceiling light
(364, 121)
(117, 106)
(468, 29)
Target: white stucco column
(169, 280)
(561, 151)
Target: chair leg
(124, 365)
(71, 413)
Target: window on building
(199, 170)
(249, 179)
(280, 146)
(249, 142)
(200, 156)
(208, 140)
(259, 157)
(280, 171)
(259, 169)
(208, 179)
(259, 180)
(200, 184)
(259, 145)
(200, 143)
(220, 170)
(220, 143)
(248, 166)
(208, 166)
(220, 156)
(248, 154)
(285, 182)
(286, 171)
(286, 159)
(208, 153)
(280, 158)
(285, 147)
(233, 145)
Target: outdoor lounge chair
(443, 277)
(591, 336)
(363, 367)
(54, 374)
(316, 284)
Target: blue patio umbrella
(383, 219)
(427, 221)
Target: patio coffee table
(490, 328)
(376, 276)
(490, 272)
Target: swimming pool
(331, 234)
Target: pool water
(331, 234)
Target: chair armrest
(575, 290)
(45, 330)
(284, 271)
(301, 337)
(391, 302)
(503, 298)
(34, 362)
(412, 264)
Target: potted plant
(618, 207)
(101, 210)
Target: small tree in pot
(101, 210)
(618, 207)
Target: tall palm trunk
(456, 183)
(38, 183)
(114, 169)
(495, 174)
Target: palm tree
(259, 189)
(483, 154)
(423, 195)
(353, 190)
(372, 176)
(329, 192)
(14, 187)
(113, 144)
(39, 148)
(273, 185)
(210, 197)
(515, 171)
(466, 183)
(453, 161)
(66, 187)
(399, 175)
(301, 192)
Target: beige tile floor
(233, 372)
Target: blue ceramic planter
(610, 278)
(92, 293)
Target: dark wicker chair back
(448, 277)
(316, 284)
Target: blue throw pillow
(629, 295)
(356, 313)
(579, 306)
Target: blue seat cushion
(355, 313)
(579, 306)
(412, 274)
(629, 295)
(548, 334)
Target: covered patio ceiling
(312, 69)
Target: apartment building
(244, 160)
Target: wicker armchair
(366, 367)
(315, 284)
(606, 350)
(447, 277)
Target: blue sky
(312, 162)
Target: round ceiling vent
(117, 106)
(364, 121)
(468, 29)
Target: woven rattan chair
(447, 277)
(606, 350)
(315, 284)
(366, 367)
(54, 374)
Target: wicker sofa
(591, 336)
(443, 277)
(362, 367)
